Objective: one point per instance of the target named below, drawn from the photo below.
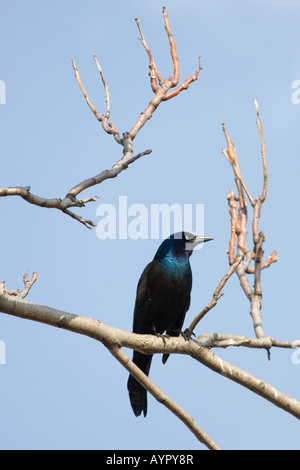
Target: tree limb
(239, 216)
(115, 338)
(126, 141)
(112, 338)
(70, 198)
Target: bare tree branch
(263, 153)
(27, 284)
(216, 296)
(126, 141)
(249, 381)
(117, 168)
(154, 73)
(239, 230)
(114, 339)
(239, 257)
(221, 340)
(164, 399)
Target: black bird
(162, 300)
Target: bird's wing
(179, 324)
(140, 309)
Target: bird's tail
(137, 393)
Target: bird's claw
(163, 337)
(187, 333)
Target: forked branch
(114, 339)
(216, 296)
(70, 201)
(154, 74)
(239, 218)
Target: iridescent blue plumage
(174, 266)
(162, 300)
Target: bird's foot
(186, 334)
(163, 337)
(189, 332)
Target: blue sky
(63, 391)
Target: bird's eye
(187, 238)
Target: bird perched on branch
(162, 300)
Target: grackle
(162, 300)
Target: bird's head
(188, 241)
(181, 244)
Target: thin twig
(234, 226)
(216, 296)
(256, 300)
(105, 88)
(239, 229)
(154, 73)
(263, 153)
(85, 93)
(272, 258)
(173, 49)
(27, 284)
(184, 86)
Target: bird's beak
(197, 240)
(192, 244)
